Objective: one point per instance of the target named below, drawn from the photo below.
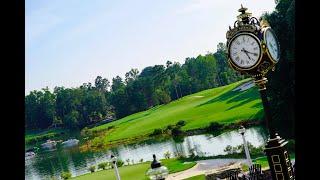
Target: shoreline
(147, 137)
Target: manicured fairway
(198, 110)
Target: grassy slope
(198, 110)
(137, 171)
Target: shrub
(103, 165)
(98, 142)
(157, 132)
(141, 160)
(228, 149)
(86, 132)
(128, 161)
(66, 175)
(176, 131)
(179, 155)
(170, 127)
(214, 126)
(92, 168)
(120, 163)
(181, 123)
(167, 155)
(110, 127)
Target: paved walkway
(204, 166)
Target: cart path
(205, 165)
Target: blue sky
(70, 42)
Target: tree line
(281, 85)
(138, 91)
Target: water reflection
(48, 164)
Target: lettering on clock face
(272, 45)
(244, 51)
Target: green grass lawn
(175, 165)
(214, 105)
(199, 177)
(133, 172)
(136, 172)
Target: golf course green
(222, 105)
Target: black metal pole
(278, 158)
(267, 112)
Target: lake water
(48, 164)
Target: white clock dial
(245, 50)
(272, 44)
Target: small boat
(29, 155)
(70, 143)
(49, 144)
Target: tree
(117, 83)
(282, 80)
(71, 119)
(102, 84)
(131, 75)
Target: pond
(51, 164)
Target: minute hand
(250, 52)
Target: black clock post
(278, 158)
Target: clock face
(245, 50)
(272, 44)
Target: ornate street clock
(253, 49)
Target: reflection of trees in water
(179, 149)
(196, 147)
(178, 139)
(50, 164)
(227, 136)
(77, 157)
(260, 132)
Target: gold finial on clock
(264, 23)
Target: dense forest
(138, 91)
(281, 86)
(160, 84)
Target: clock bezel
(266, 44)
(260, 48)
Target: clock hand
(249, 52)
(243, 50)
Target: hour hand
(245, 51)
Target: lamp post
(157, 171)
(253, 49)
(242, 130)
(114, 162)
